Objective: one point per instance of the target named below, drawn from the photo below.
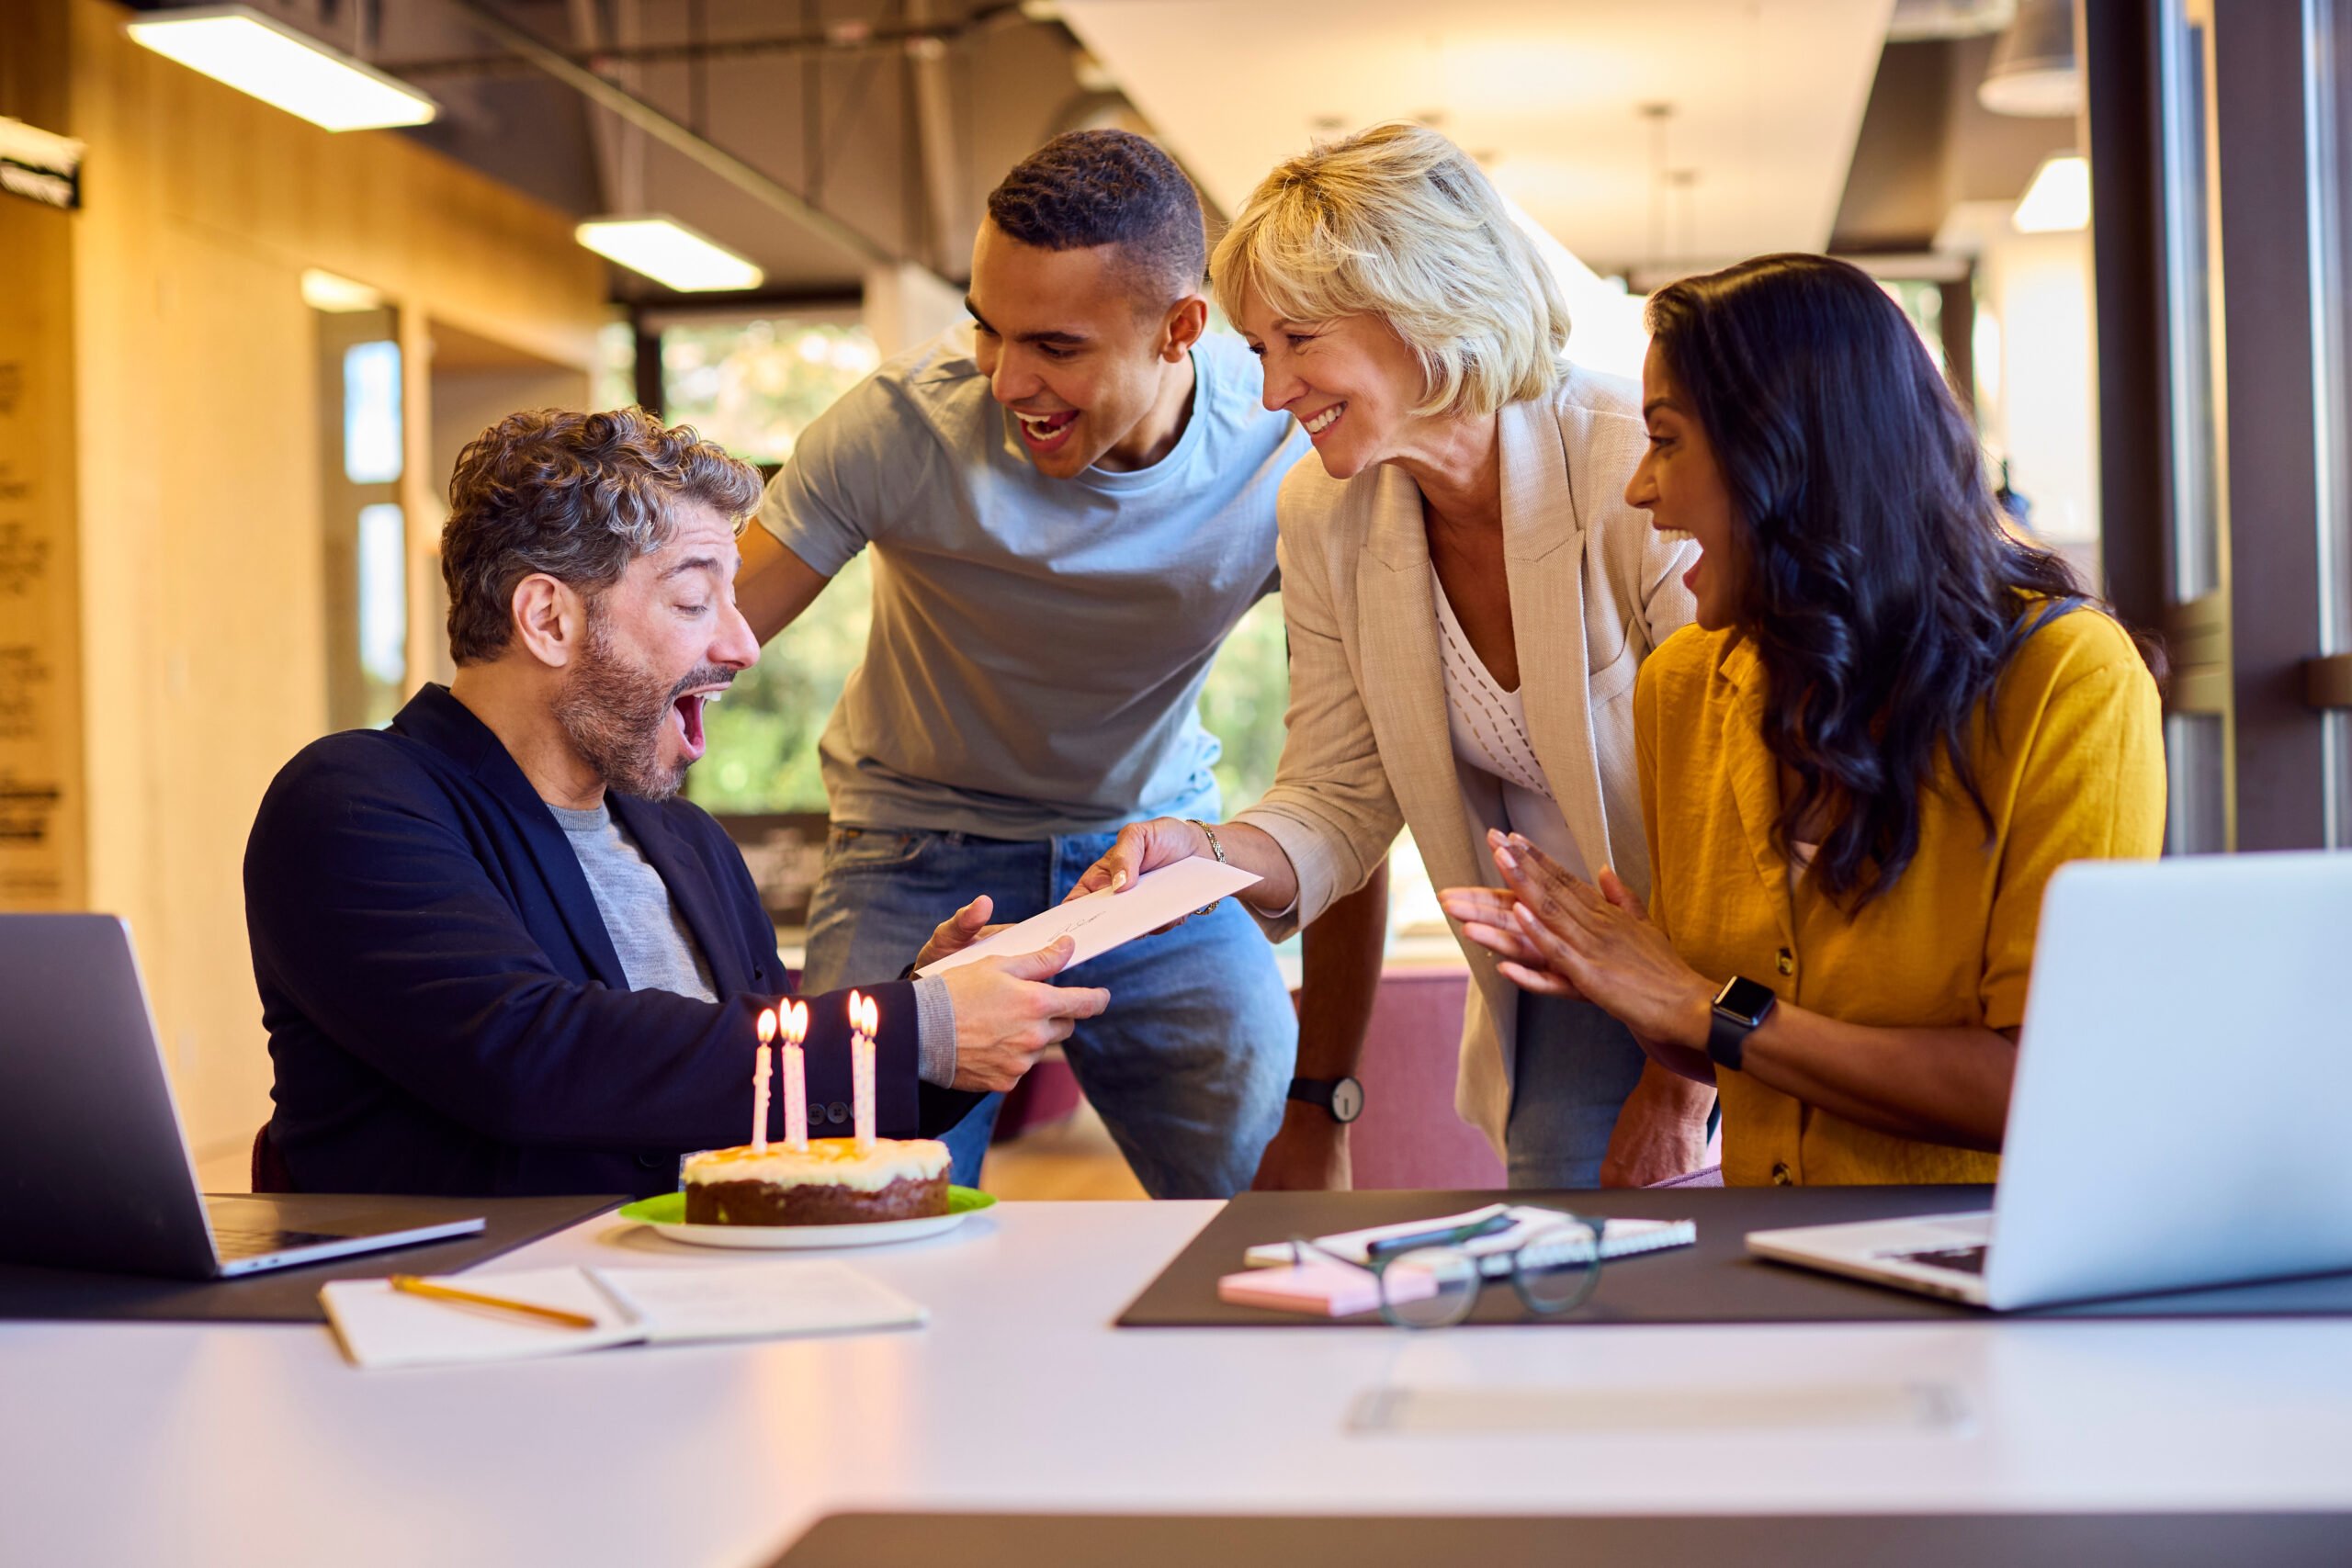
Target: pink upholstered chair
(1409, 1135)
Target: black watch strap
(1342, 1097)
(1740, 1006)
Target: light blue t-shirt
(1038, 645)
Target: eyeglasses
(1434, 1283)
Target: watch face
(1745, 999)
(1347, 1100)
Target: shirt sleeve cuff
(936, 1033)
(1286, 915)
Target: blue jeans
(1576, 1066)
(1189, 1066)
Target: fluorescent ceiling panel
(669, 252)
(256, 55)
(324, 291)
(2058, 200)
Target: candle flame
(796, 1022)
(767, 1025)
(869, 1020)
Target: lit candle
(759, 1082)
(865, 1021)
(795, 1076)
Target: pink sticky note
(1322, 1290)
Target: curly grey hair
(577, 496)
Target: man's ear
(550, 619)
(1187, 320)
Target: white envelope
(1101, 922)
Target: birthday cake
(829, 1183)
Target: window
(2328, 127)
(365, 550)
(754, 386)
(2198, 739)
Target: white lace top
(1489, 732)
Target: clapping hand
(1488, 917)
(1561, 936)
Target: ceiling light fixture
(2059, 200)
(324, 291)
(289, 70)
(669, 252)
(2033, 71)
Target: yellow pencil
(416, 1285)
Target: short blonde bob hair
(1399, 223)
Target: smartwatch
(1740, 1006)
(1343, 1097)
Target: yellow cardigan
(2074, 769)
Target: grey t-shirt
(658, 951)
(1038, 645)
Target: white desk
(256, 1444)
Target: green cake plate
(666, 1213)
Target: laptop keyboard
(1961, 1259)
(233, 1241)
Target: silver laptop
(2182, 1102)
(94, 1170)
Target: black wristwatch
(1740, 1006)
(1343, 1097)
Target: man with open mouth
(497, 953)
(1073, 501)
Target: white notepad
(1621, 1237)
(1101, 922)
(383, 1327)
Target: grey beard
(614, 712)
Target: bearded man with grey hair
(496, 953)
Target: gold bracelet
(1215, 849)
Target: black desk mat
(1713, 1281)
(1770, 1541)
(288, 1296)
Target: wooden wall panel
(198, 405)
(43, 806)
(243, 638)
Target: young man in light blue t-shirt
(1072, 502)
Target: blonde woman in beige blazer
(1468, 598)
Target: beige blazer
(1593, 589)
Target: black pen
(1448, 1236)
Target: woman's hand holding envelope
(1147, 846)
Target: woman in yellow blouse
(1893, 721)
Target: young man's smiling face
(1075, 348)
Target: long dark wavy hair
(1883, 593)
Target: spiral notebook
(381, 1327)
